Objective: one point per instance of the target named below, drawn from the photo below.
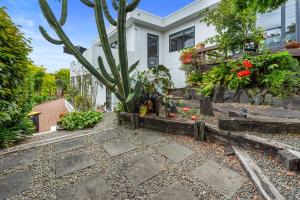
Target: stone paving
(122, 164)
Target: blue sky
(80, 26)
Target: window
(281, 25)
(182, 39)
(153, 50)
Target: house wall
(171, 59)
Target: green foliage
(194, 79)
(261, 6)
(62, 79)
(15, 86)
(80, 120)
(120, 107)
(279, 73)
(234, 27)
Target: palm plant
(118, 81)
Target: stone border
(258, 125)
(49, 141)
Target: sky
(80, 26)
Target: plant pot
(200, 46)
(292, 45)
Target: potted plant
(200, 45)
(292, 44)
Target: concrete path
(122, 164)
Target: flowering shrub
(187, 55)
(279, 73)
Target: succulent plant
(118, 82)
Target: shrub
(80, 120)
(15, 84)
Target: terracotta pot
(200, 46)
(292, 45)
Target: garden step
(259, 125)
(264, 186)
(290, 159)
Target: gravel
(286, 182)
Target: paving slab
(141, 169)
(150, 137)
(222, 179)
(68, 145)
(94, 188)
(15, 184)
(118, 148)
(176, 152)
(73, 163)
(176, 191)
(20, 158)
(106, 135)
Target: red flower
(244, 73)
(194, 117)
(247, 64)
(186, 109)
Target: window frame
(183, 32)
(156, 36)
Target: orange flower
(247, 64)
(194, 117)
(186, 109)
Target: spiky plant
(118, 82)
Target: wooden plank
(264, 186)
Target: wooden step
(264, 186)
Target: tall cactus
(118, 82)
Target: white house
(155, 40)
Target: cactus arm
(107, 14)
(64, 12)
(132, 5)
(123, 47)
(105, 44)
(88, 3)
(69, 45)
(103, 70)
(115, 5)
(48, 38)
(134, 66)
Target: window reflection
(290, 20)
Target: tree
(234, 27)
(15, 86)
(119, 80)
(49, 85)
(62, 78)
(261, 6)
(37, 74)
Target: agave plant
(118, 81)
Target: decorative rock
(176, 191)
(15, 184)
(206, 107)
(228, 150)
(176, 152)
(93, 188)
(73, 163)
(220, 178)
(237, 114)
(243, 97)
(290, 159)
(118, 148)
(141, 169)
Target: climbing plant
(117, 80)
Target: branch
(64, 12)
(115, 4)
(105, 44)
(48, 38)
(88, 3)
(103, 70)
(69, 45)
(133, 5)
(107, 14)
